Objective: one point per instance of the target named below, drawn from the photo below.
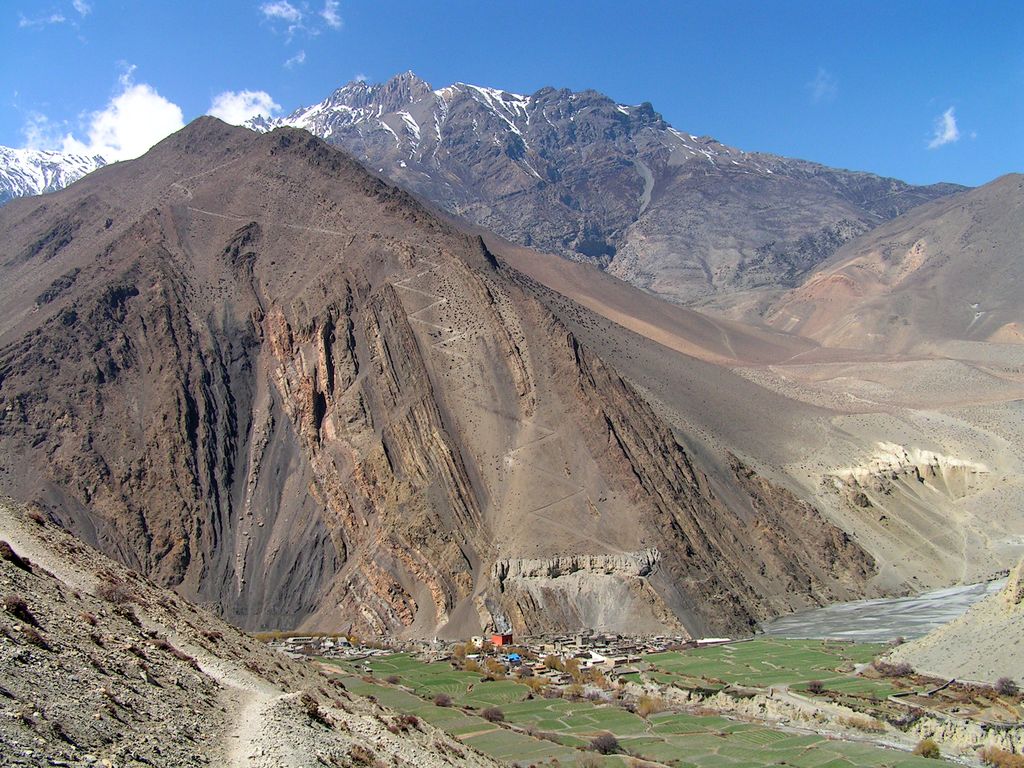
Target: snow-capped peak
(34, 171)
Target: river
(883, 619)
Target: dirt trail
(249, 703)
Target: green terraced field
(767, 662)
(681, 740)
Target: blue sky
(924, 91)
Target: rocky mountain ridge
(579, 175)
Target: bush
(18, 608)
(442, 700)
(863, 723)
(493, 715)
(113, 590)
(37, 516)
(646, 706)
(605, 744)
(8, 554)
(816, 686)
(32, 636)
(1005, 686)
(408, 721)
(360, 755)
(1000, 758)
(88, 618)
(887, 669)
(312, 709)
(927, 748)
(393, 679)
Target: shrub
(136, 651)
(442, 700)
(88, 618)
(213, 635)
(816, 686)
(888, 669)
(535, 684)
(18, 608)
(493, 715)
(360, 755)
(8, 554)
(113, 590)
(33, 637)
(647, 706)
(927, 748)
(393, 679)
(863, 723)
(1000, 758)
(37, 516)
(553, 662)
(472, 666)
(605, 744)
(1005, 686)
(312, 708)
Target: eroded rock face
(628, 564)
(282, 387)
(1013, 593)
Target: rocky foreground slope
(255, 373)
(99, 666)
(615, 185)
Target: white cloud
(135, 119)
(236, 107)
(296, 60)
(40, 21)
(40, 133)
(330, 14)
(824, 87)
(282, 10)
(83, 8)
(946, 131)
(360, 78)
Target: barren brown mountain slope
(950, 270)
(254, 372)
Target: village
(555, 658)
